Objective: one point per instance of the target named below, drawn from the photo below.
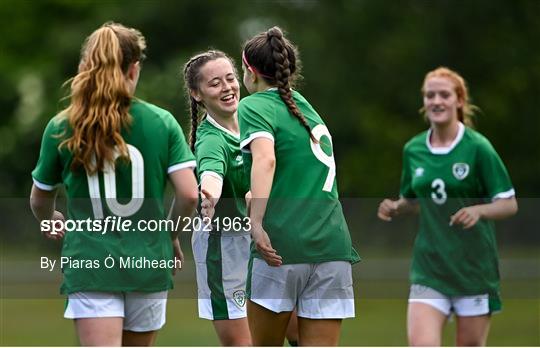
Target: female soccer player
(114, 153)
(453, 174)
(221, 253)
(211, 82)
(303, 250)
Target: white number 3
(327, 160)
(439, 196)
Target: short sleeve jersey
(304, 218)
(450, 259)
(131, 190)
(218, 154)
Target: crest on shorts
(239, 297)
(460, 170)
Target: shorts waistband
(225, 233)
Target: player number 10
(109, 180)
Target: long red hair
(100, 96)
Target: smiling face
(219, 90)
(441, 103)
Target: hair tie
(252, 68)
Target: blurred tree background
(363, 65)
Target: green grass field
(378, 322)
(31, 311)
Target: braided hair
(192, 79)
(276, 60)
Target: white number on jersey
(109, 179)
(327, 160)
(439, 195)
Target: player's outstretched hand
(178, 254)
(56, 232)
(264, 247)
(467, 217)
(387, 210)
(208, 204)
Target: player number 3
(439, 195)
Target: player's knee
(470, 341)
(419, 339)
(235, 340)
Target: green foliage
(364, 62)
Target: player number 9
(328, 160)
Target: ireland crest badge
(239, 297)
(460, 170)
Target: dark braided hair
(271, 54)
(192, 79)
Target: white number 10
(109, 180)
(327, 160)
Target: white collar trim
(220, 127)
(446, 149)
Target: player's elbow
(265, 161)
(41, 202)
(269, 163)
(507, 207)
(512, 207)
(190, 198)
(35, 205)
(185, 187)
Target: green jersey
(218, 154)
(131, 190)
(304, 218)
(450, 259)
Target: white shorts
(317, 290)
(462, 306)
(141, 311)
(221, 262)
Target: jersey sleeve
(211, 156)
(48, 172)
(493, 173)
(405, 189)
(180, 155)
(255, 121)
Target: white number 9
(327, 160)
